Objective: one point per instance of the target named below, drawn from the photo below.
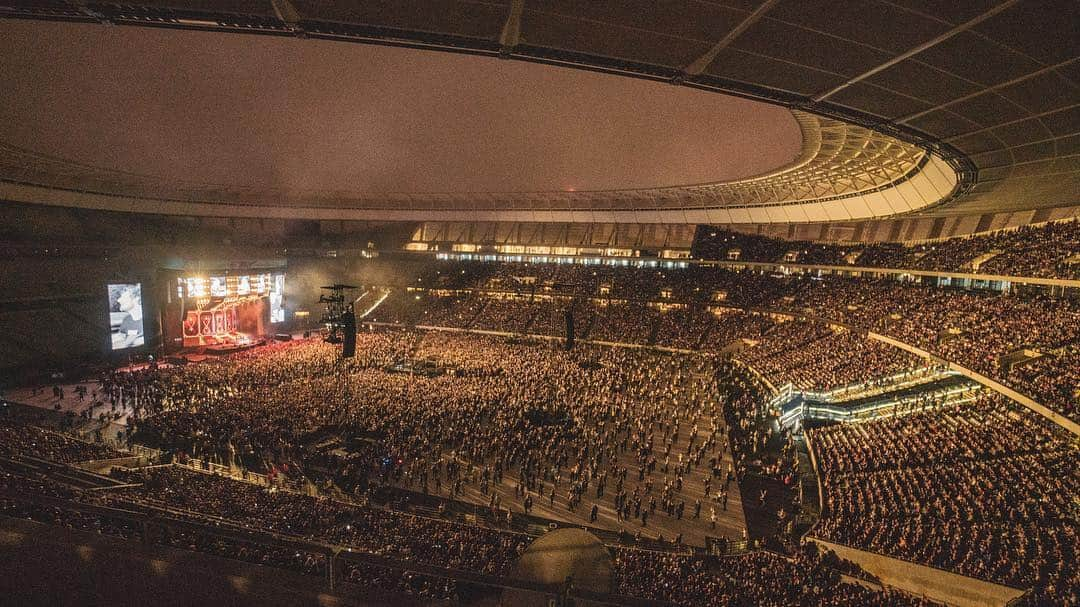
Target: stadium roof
(916, 107)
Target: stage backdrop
(229, 308)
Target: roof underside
(991, 87)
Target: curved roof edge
(1006, 125)
(844, 172)
(927, 187)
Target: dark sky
(316, 115)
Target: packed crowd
(761, 579)
(409, 583)
(984, 488)
(205, 505)
(815, 357)
(810, 355)
(970, 327)
(634, 438)
(759, 444)
(203, 540)
(623, 322)
(1049, 252)
(836, 359)
(633, 435)
(1046, 251)
(974, 329)
(1054, 379)
(717, 243)
(269, 518)
(18, 499)
(513, 316)
(131, 515)
(685, 328)
(28, 440)
(637, 432)
(366, 529)
(637, 436)
(254, 405)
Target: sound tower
(569, 313)
(348, 327)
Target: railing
(336, 555)
(476, 515)
(814, 466)
(149, 453)
(726, 547)
(881, 385)
(208, 467)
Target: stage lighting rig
(334, 318)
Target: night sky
(316, 115)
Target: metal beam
(963, 27)
(1010, 122)
(703, 62)
(511, 31)
(286, 11)
(991, 89)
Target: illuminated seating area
(1046, 251)
(985, 488)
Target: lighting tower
(334, 319)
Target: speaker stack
(348, 327)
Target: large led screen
(277, 299)
(126, 316)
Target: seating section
(1053, 379)
(509, 316)
(195, 511)
(1046, 251)
(973, 328)
(763, 578)
(25, 440)
(616, 322)
(371, 530)
(986, 489)
(814, 357)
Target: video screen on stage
(230, 308)
(277, 299)
(126, 315)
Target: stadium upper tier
(903, 108)
(1048, 251)
(1025, 341)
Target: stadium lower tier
(655, 444)
(986, 489)
(1046, 251)
(387, 556)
